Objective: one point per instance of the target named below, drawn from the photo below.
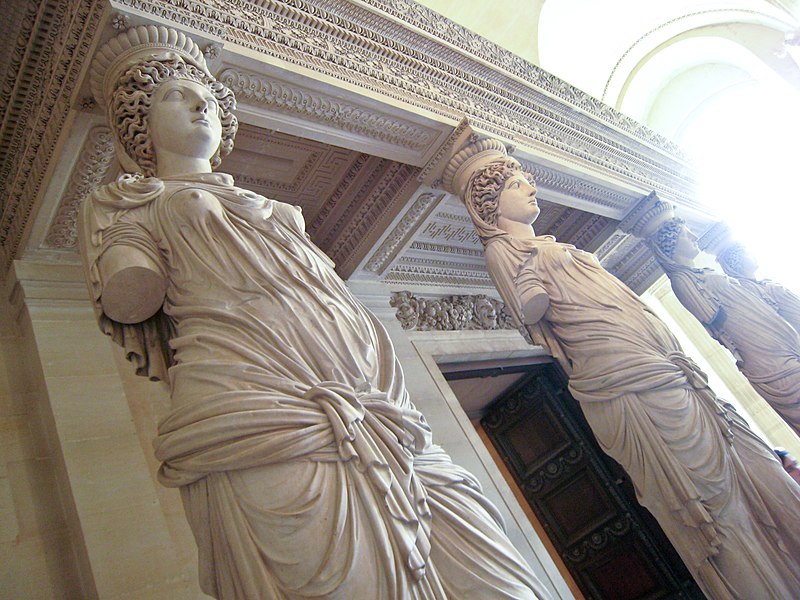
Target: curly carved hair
(486, 185)
(133, 97)
(731, 259)
(666, 238)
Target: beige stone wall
(38, 555)
(82, 514)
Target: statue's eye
(173, 95)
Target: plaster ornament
(716, 489)
(739, 316)
(305, 470)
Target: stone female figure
(766, 347)
(716, 489)
(738, 263)
(304, 468)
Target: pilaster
(116, 519)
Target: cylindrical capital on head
(717, 239)
(135, 45)
(467, 161)
(649, 214)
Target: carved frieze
(450, 313)
(48, 57)
(388, 52)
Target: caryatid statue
(766, 347)
(717, 489)
(737, 262)
(305, 470)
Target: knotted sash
(329, 422)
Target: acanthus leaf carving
(96, 158)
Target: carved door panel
(612, 546)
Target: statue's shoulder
(127, 192)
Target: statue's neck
(173, 165)
(520, 231)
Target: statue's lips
(203, 121)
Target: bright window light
(746, 145)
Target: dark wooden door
(612, 546)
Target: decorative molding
(446, 232)
(445, 249)
(294, 99)
(346, 240)
(450, 313)
(548, 179)
(400, 235)
(437, 157)
(434, 24)
(428, 273)
(56, 48)
(96, 158)
(344, 186)
(394, 51)
(600, 539)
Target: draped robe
(304, 468)
(716, 489)
(747, 320)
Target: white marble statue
(717, 490)
(766, 347)
(305, 470)
(738, 263)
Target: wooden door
(612, 546)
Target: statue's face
(685, 247)
(748, 264)
(517, 201)
(184, 120)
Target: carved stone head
(127, 72)
(736, 261)
(673, 241)
(133, 98)
(487, 185)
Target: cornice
(402, 232)
(56, 48)
(387, 47)
(312, 105)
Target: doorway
(612, 546)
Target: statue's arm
(133, 281)
(133, 284)
(533, 298)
